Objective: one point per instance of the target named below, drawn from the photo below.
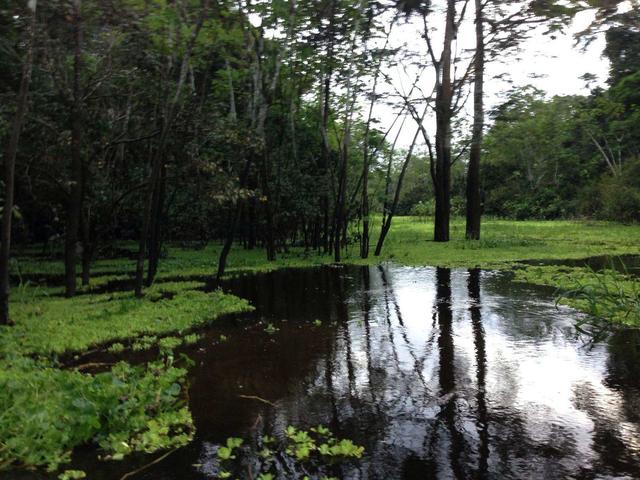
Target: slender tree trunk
(474, 201)
(339, 220)
(155, 239)
(444, 95)
(158, 154)
(233, 224)
(364, 209)
(386, 224)
(325, 157)
(74, 206)
(10, 165)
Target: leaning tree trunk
(74, 205)
(444, 96)
(386, 224)
(10, 165)
(474, 201)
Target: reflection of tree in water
(616, 437)
(473, 284)
(423, 394)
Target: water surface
(439, 373)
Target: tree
(474, 200)
(10, 159)
(155, 185)
(74, 202)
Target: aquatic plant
(606, 294)
(271, 328)
(47, 411)
(304, 454)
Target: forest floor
(49, 408)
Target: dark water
(439, 373)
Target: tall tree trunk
(10, 165)
(474, 201)
(364, 208)
(325, 157)
(444, 95)
(339, 221)
(158, 154)
(74, 205)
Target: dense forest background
(252, 122)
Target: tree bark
(10, 165)
(155, 243)
(233, 224)
(444, 95)
(474, 200)
(74, 205)
(386, 224)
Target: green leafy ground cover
(47, 410)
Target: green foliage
(424, 209)
(271, 329)
(47, 412)
(302, 450)
(226, 452)
(54, 325)
(72, 475)
(620, 195)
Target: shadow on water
(439, 373)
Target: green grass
(409, 242)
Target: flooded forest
(319, 239)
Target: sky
(553, 65)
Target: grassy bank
(142, 408)
(607, 294)
(409, 242)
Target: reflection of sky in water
(472, 378)
(543, 388)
